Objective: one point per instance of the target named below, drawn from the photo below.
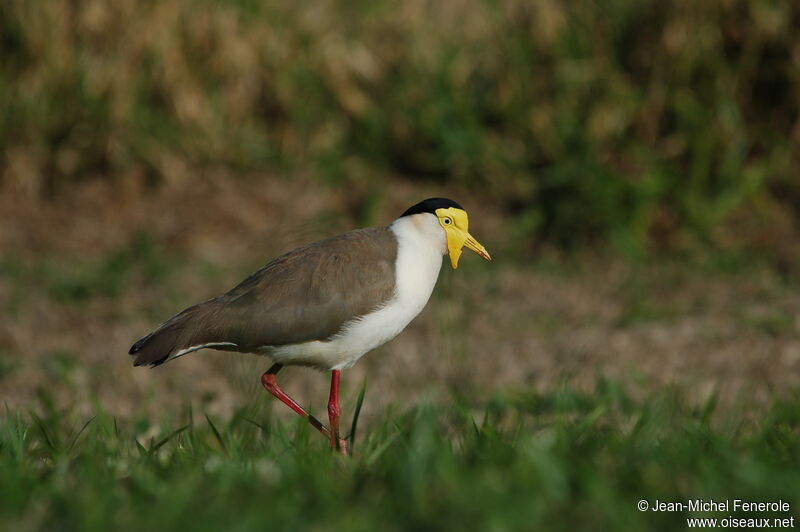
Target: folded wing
(307, 294)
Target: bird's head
(454, 222)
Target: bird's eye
(446, 221)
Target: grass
(561, 461)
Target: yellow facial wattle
(455, 223)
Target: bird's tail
(173, 337)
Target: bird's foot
(342, 448)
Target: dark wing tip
(144, 358)
(135, 348)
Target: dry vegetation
(639, 123)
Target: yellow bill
(456, 223)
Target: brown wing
(306, 294)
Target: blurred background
(632, 166)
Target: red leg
(269, 382)
(333, 414)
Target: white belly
(419, 259)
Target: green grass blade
(356, 413)
(263, 428)
(48, 439)
(78, 435)
(217, 434)
(161, 443)
(140, 448)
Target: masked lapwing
(326, 304)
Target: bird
(326, 304)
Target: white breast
(421, 244)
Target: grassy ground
(559, 461)
(486, 413)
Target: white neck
(421, 243)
